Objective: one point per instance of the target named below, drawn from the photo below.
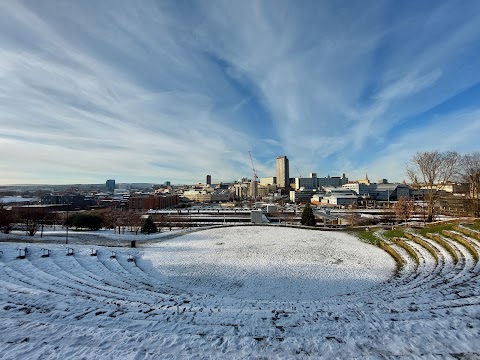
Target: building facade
(110, 185)
(332, 181)
(380, 192)
(151, 202)
(268, 181)
(283, 174)
(74, 201)
(207, 195)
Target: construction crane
(297, 170)
(255, 177)
(253, 188)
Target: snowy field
(269, 263)
(237, 292)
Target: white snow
(235, 292)
(270, 263)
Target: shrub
(149, 226)
(85, 221)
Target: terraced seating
(439, 275)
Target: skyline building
(283, 174)
(110, 185)
(209, 180)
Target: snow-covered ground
(269, 263)
(236, 292)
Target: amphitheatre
(252, 292)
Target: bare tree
(470, 173)
(432, 170)
(404, 208)
(7, 219)
(110, 217)
(33, 219)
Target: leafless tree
(109, 218)
(432, 170)
(33, 219)
(7, 219)
(134, 221)
(404, 208)
(469, 170)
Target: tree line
(431, 171)
(33, 220)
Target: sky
(155, 91)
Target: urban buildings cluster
(325, 191)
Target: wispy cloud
(159, 91)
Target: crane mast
(297, 170)
(253, 188)
(255, 177)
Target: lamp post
(28, 219)
(424, 213)
(66, 239)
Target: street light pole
(66, 239)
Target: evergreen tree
(308, 218)
(85, 221)
(149, 226)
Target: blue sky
(151, 91)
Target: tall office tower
(209, 179)
(283, 176)
(254, 189)
(110, 185)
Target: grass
(368, 236)
(408, 249)
(468, 232)
(438, 239)
(476, 225)
(437, 228)
(395, 233)
(459, 238)
(423, 243)
(396, 256)
(431, 231)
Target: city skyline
(172, 91)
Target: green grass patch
(467, 231)
(368, 237)
(475, 225)
(391, 234)
(459, 238)
(437, 228)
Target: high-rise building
(254, 189)
(110, 185)
(209, 180)
(283, 176)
